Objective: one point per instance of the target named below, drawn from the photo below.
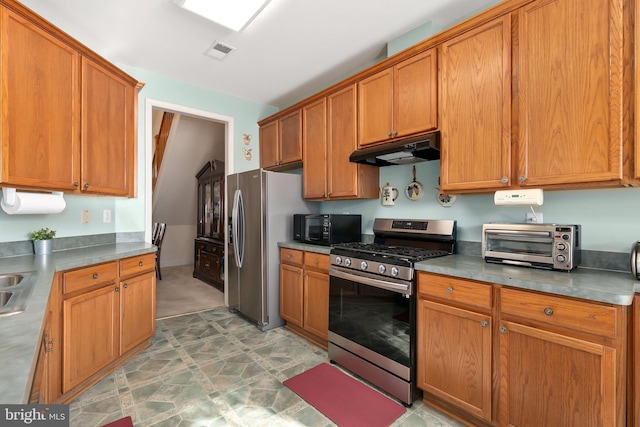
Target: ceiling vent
(219, 50)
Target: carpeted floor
(179, 292)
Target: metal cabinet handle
(522, 178)
(95, 275)
(449, 290)
(315, 261)
(394, 133)
(289, 256)
(86, 185)
(124, 286)
(77, 184)
(504, 180)
(140, 263)
(117, 289)
(484, 323)
(503, 330)
(548, 311)
(389, 133)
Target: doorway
(178, 196)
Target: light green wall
(609, 218)
(128, 215)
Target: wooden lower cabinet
(544, 360)
(91, 322)
(454, 342)
(304, 293)
(97, 318)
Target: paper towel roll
(35, 203)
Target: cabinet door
(138, 310)
(375, 108)
(314, 138)
(269, 145)
(454, 351)
(415, 94)
(316, 303)
(40, 107)
(108, 151)
(291, 138)
(344, 176)
(91, 327)
(548, 379)
(291, 304)
(570, 87)
(475, 108)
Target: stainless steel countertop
(611, 287)
(21, 334)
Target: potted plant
(42, 240)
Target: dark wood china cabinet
(209, 243)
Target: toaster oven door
(529, 246)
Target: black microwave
(327, 229)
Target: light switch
(106, 216)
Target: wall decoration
(247, 153)
(445, 199)
(246, 138)
(415, 190)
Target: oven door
(373, 318)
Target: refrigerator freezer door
(233, 270)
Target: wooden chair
(157, 236)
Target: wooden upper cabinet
(281, 142)
(68, 116)
(330, 136)
(108, 149)
(399, 101)
(40, 120)
(570, 89)
(475, 101)
(314, 141)
(269, 145)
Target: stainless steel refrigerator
(260, 214)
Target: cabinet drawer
(590, 317)
(466, 292)
(137, 264)
(90, 276)
(291, 256)
(316, 260)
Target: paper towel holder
(10, 196)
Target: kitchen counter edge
(21, 333)
(605, 286)
(305, 247)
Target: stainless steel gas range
(372, 304)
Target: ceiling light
(233, 14)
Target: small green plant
(42, 234)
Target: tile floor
(215, 369)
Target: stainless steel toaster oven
(548, 246)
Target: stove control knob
(364, 265)
(347, 262)
(338, 260)
(561, 247)
(394, 271)
(561, 258)
(382, 269)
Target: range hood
(408, 150)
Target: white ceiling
(293, 49)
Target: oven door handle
(382, 284)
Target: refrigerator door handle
(241, 228)
(234, 226)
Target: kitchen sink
(15, 290)
(7, 280)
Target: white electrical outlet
(531, 218)
(106, 216)
(86, 217)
